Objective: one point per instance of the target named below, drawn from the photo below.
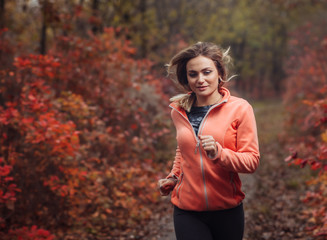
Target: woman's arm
(167, 185)
(176, 170)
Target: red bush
(306, 103)
(83, 131)
(25, 233)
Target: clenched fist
(209, 145)
(166, 185)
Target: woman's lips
(202, 88)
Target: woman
(217, 139)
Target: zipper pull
(197, 145)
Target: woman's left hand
(209, 145)
(166, 185)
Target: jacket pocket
(232, 182)
(230, 138)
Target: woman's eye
(207, 72)
(192, 74)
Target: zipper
(201, 158)
(197, 147)
(205, 116)
(204, 181)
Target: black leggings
(209, 225)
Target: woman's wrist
(173, 178)
(214, 154)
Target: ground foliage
(84, 134)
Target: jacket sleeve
(246, 158)
(176, 170)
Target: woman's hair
(177, 68)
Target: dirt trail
(272, 204)
(273, 209)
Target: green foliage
(256, 30)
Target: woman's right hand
(166, 185)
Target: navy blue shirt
(196, 115)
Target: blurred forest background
(84, 123)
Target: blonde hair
(177, 69)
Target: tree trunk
(80, 22)
(144, 33)
(2, 14)
(278, 73)
(43, 38)
(95, 10)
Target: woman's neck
(200, 102)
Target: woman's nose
(201, 78)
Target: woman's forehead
(199, 63)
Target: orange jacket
(213, 184)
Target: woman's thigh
(227, 224)
(188, 226)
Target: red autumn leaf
(5, 170)
(289, 158)
(315, 165)
(133, 126)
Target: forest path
(273, 192)
(272, 209)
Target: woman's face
(202, 76)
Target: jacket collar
(226, 94)
(223, 91)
